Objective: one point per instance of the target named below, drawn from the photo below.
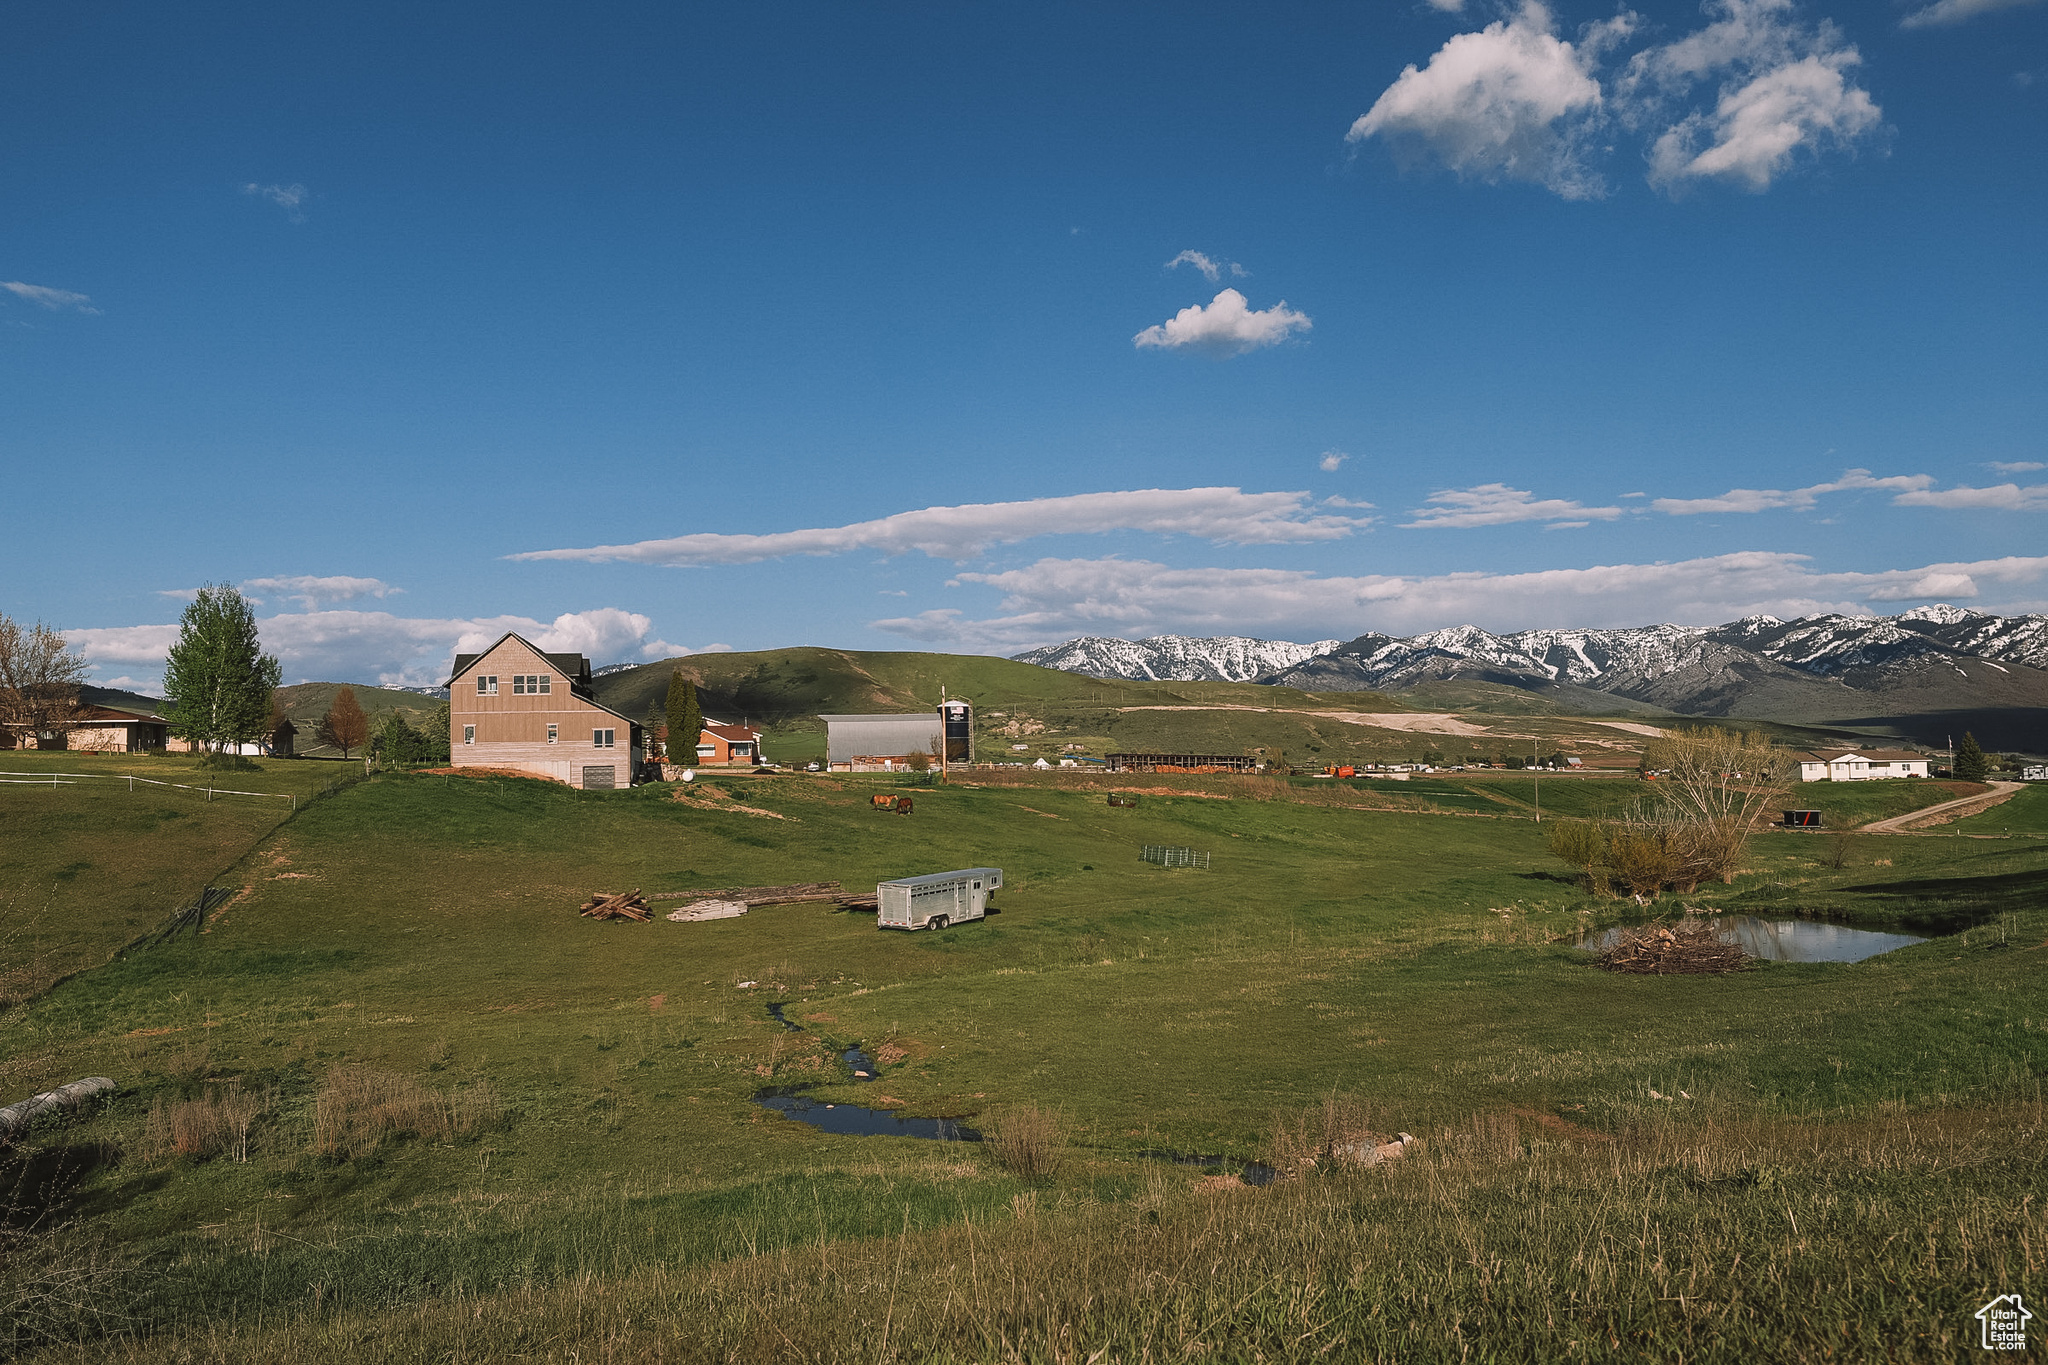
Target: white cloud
(1801, 499)
(290, 198)
(2014, 466)
(56, 300)
(1448, 6)
(2004, 497)
(1054, 599)
(1956, 11)
(311, 591)
(1496, 504)
(1227, 325)
(1220, 514)
(1510, 102)
(391, 651)
(1782, 92)
(1331, 460)
(1211, 268)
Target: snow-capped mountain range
(1934, 658)
(1176, 658)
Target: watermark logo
(2005, 1321)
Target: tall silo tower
(956, 717)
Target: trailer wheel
(938, 921)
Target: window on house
(530, 684)
(469, 734)
(553, 731)
(602, 739)
(487, 684)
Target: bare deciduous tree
(39, 681)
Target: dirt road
(1948, 810)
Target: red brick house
(517, 706)
(718, 745)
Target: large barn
(882, 743)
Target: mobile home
(936, 900)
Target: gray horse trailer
(936, 900)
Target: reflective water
(862, 1122)
(1250, 1172)
(1791, 940)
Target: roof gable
(574, 667)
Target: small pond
(858, 1121)
(1790, 940)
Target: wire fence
(1167, 855)
(73, 779)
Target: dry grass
(1338, 1130)
(1027, 1141)
(215, 1124)
(1705, 1242)
(360, 1106)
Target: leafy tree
(685, 719)
(1722, 781)
(344, 727)
(1970, 763)
(651, 729)
(401, 743)
(39, 680)
(434, 737)
(217, 677)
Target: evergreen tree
(656, 722)
(218, 678)
(1970, 763)
(344, 727)
(685, 719)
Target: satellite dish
(689, 775)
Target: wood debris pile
(1660, 950)
(724, 902)
(759, 895)
(623, 905)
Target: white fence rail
(73, 779)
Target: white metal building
(882, 743)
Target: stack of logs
(631, 905)
(627, 905)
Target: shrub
(1026, 1141)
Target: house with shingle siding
(517, 706)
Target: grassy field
(94, 859)
(2025, 813)
(600, 1184)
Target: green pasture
(118, 841)
(2025, 813)
(1421, 962)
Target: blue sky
(646, 329)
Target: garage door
(600, 779)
